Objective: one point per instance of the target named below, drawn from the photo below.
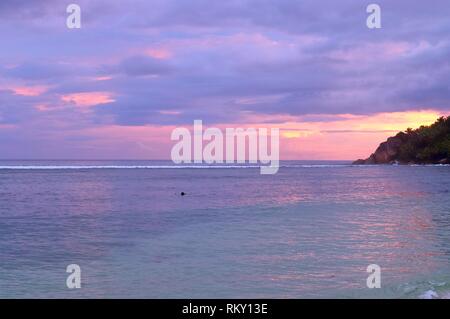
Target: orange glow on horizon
(336, 137)
(349, 137)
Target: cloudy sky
(136, 69)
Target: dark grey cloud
(16, 109)
(27, 9)
(143, 66)
(37, 71)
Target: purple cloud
(172, 61)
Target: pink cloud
(102, 78)
(169, 112)
(42, 107)
(159, 53)
(29, 90)
(88, 99)
(7, 126)
(367, 52)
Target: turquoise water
(309, 231)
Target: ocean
(309, 231)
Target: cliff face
(425, 145)
(386, 153)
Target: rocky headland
(425, 145)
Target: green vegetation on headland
(425, 145)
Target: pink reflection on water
(90, 201)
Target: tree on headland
(425, 145)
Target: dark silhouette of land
(425, 145)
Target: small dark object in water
(183, 193)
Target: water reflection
(300, 233)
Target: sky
(137, 69)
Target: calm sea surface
(309, 231)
